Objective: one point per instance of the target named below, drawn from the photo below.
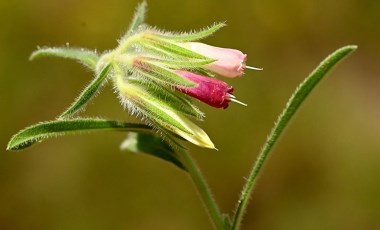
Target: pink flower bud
(229, 62)
(211, 91)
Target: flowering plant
(156, 75)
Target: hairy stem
(292, 106)
(203, 189)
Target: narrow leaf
(300, 94)
(153, 145)
(138, 19)
(86, 57)
(194, 36)
(87, 94)
(44, 130)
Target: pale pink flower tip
(229, 62)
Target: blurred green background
(323, 174)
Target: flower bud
(140, 101)
(229, 62)
(209, 90)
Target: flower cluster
(157, 73)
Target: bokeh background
(323, 174)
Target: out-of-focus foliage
(323, 174)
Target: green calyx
(139, 100)
(142, 69)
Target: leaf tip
(143, 4)
(33, 55)
(10, 145)
(349, 48)
(353, 47)
(15, 147)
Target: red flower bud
(209, 90)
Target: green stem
(203, 189)
(292, 106)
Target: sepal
(176, 100)
(167, 47)
(139, 101)
(137, 21)
(192, 36)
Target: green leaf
(138, 19)
(153, 145)
(194, 36)
(86, 57)
(87, 94)
(295, 101)
(44, 130)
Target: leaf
(153, 145)
(86, 57)
(295, 101)
(44, 130)
(138, 19)
(87, 94)
(194, 36)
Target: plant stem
(292, 106)
(203, 189)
